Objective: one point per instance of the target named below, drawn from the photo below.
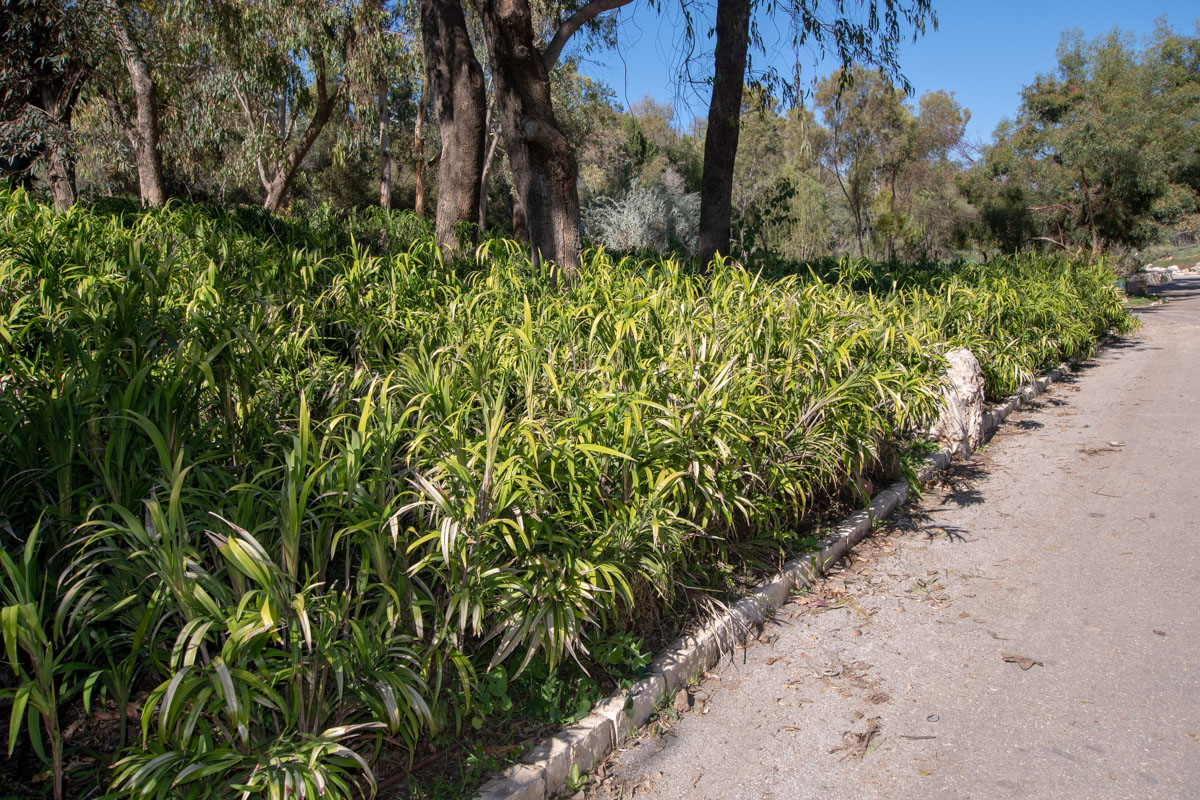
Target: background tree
(455, 84)
(383, 55)
(762, 185)
(1096, 156)
(724, 117)
(48, 55)
(284, 66)
(862, 112)
(542, 161)
(893, 163)
(132, 27)
(872, 38)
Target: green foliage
(301, 493)
(47, 54)
(1101, 153)
(891, 164)
(645, 218)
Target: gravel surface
(1030, 629)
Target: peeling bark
(544, 170)
(455, 83)
(145, 132)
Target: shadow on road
(961, 482)
(915, 518)
(1179, 289)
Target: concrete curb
(545, 769)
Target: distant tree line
(205, 97)
(471, 113)
(1104, 152)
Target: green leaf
(20, 699)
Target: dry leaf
(1024, 662)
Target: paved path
(1073, 540)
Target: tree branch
(585, 14)
(118, 115)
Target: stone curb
(545, 769)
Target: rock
(960, 427)
(1136, 284)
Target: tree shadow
(1178, 289)
(1131, 343)
(1028, 424)
(960, 480)
(916, 519)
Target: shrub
(296, 490)
(645, 218)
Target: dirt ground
(1030, 629)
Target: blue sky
(984, 52)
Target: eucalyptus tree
(153, 85)
(724, 123)
(540, 156)
(927, 206)
(48, 56)
(132, 25)
(542, 159)
(872, 36)
(545, 172)
(381, 68)
(890, 163)
(455, 82)
(868, 127)
(285, 67)
(1102, 151)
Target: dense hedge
(304, 483)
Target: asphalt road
(1072, 540)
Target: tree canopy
(443, 107)
(1103, 150)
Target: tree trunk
(145, 133)
(57, 102)
(1091, 214)
(545, 173)
(60, 165)
(724, 117)
(891, 241)
(519, 228)
(419, 159)
(492, 140)
(279, 184)
(455, 82)
(385, 147)
(854, 202)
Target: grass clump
(280, 496)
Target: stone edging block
(545, 769)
